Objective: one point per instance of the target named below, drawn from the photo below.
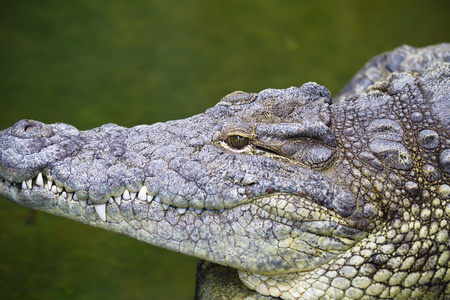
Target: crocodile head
(282, 185)
(248, 184)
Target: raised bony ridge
(44, 181)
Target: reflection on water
(92, 62)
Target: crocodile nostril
(28, 128)
(31, 129)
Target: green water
(131, 62)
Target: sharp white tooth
(149, 198)
(190, 208)
(69, 196)
(54, 190)
(142, 195)
(40, 180)
(82, 202)
(111, 200)
(118, 199)
(101, 211)
(89, 202)
(181, 210)
(166, 206)
(75, 197)
(126, 195)
(157, 199)
(59, 189)
(64, 195)
(49, 184)
(132, 195)
(199, 211)
(24, 185)
(30, 183)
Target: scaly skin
(306, 199)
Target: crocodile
(281, 193)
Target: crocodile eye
(237, 141)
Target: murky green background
(89, 62)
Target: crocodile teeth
(142, 195)
(49, 184)
(40, 180)
(126, 195)
(101, 211)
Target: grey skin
(305, 198)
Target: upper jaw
(110, 162)
(186, 171)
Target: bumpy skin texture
(306, 199)
(401, 59)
